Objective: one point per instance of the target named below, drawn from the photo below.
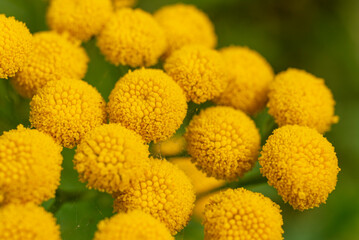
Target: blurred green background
(320, 36)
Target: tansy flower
(15, 46)
(250, 76)
(301, 164)
(52, 58)
(242, 214)
(135, 225)
(149, 102)
(67, 109)
(132, 37)
(200, 71)
(82, 19)
(27, 222)
(170, 147)
(162, 190)
(223, 142)
(298, 97)
(124, 3)
(30, 166)
(185, 24)
(109, 157)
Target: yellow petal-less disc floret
(149, 102)
(135, 225)
(67, 109)
(223, 142)
(15, 45)
(185, 24)
(298, 97)
(81, 19)
(123, 3)
(301, 164)
(242, 214)
(164, 191)
(200, 71)
(27, 222)
(30, 166)
(109, 157)
(250, 76)
(52, 58)
(132, 37)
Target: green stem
(63, 197)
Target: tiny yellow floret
(298, 97)
(123, 3)
(67, 109)
(301, 164)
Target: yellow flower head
(298, 97)
(242, 214)
(27, 222)
(149, 102)
(67, 109)
(170, 147)
(82, 19)
(185, 24)
(301, 164)
(15, 46)
(124, 3)
(52, 58)
(250, 76)
(164, 191)
(223, 142)
(30, 166)
(132, 37)
(200, 71)
(135, 225)
(109, 157)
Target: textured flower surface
(124, 3)
(242, 214)
(30, 166)
(223, 142)
(67, 109)
(15, 46)
(301, 164)
(298, 97)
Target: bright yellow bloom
(298, 97)
(135, 225)
(149, 102)
(250, 76)
(15, 46)
(200, 71)
(223, 142)
(301, 164)
(170, 147)
(30, 166)
(67, 109)
(109, 157)
(124, 3)
(27, 222)
(164, 191)
(132, 37)
(242, 214)
(82, 19)
(52, 58)
(185, 24)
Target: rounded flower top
(164, 191)
(67, 109)
(242, 214)
(301, 164)
(30, 166)
(149, 102)
(124, 3)
(200, 71)
(82, 19)
(109, 157)
(298, 97)
(223, 142)
(185, 24)
(135, 225)
(250, 76)
(52, 58)
(15, 46)
(132, 37)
